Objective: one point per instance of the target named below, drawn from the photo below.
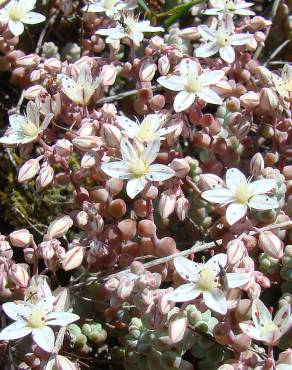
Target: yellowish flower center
(288, 85)
(268, 327)
(146, 133)
(30, 129)
(138, 167)
(109, 4)
(222, 39)
(36, 319)
(229, 5)
(15, 12)
(242, 193)
(206, 280)
(193, 84)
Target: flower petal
(117, 170)
(261, 186)
(219, 195)
(135, 186)
(227, 53)
(189, 68)
(216, 261)
(185, 293)
(33, 113)
(206, 50)
(127, 150)
(16, 27)
(44, 338)
(17, 311)
(209, 96)
(283, 319)
(33, 18)
(263, 202)
(175, 83)
(131, 127)
(61, 318)
(16, 330)
(234, 212)
(45, 305)
(206, 32)
(250, 330)
(187, 269)
(212, 77)
(27, 5)
(183, 100)
(17, 122)
(216, 301)
(237, 279)
(234, 178)
(240, 38)
(159, 172)
(260, 314)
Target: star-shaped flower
(35, 319)
(110, 7)
(283, 84)
(25, 129)
(221, 40)
(150, 128)
(192, 84)
(264, 328)
(137, 167)
(80, 90)
(204, 279)
(18, 12)
(240, 194)
(238, 7)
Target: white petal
(16, 330)
(117, 170)
(219, 195)
(147, 28)
(209, 96)
(150, 152)
(33, 113)
(216, 301)
(263, 202)
(71, 89)
(44, 338)
(17, 311)
(46, 305)
(135, 186)
(206, 32)
(216, 261)
(175, 83)
(234, 178)
(237, 279)
(27, 5)
(212, 77)
(260, 313)
(33, 18)
(61, 318)
(159, 172)
(16, 27)
(234, 212)
(113, 33)
(240, 38)
(244, 12)
(283, 319)
(128, 125)
(12, 139)
(206, 50)
(286, 74)
(93, 8)
(261, 186)
(166, 130)
(251, 331)
(4, 17)
(189, 67)
(185, 293)
(127, 150)
(183, 100)
(17, 122)
(227, 53)
(187, 269)
(84, 78)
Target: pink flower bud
(260, 37)
(63, 147)
(108, 74)
(147, 70)
(268, 100)
(258, 23)
(34, 92)
(256, 165)
(271, 244)
(5, 249)
(182, 208)
(125, 288)
(73, 258)
(190, 33)
(59, 227)
(87, 128)
(19, 275)
(53, 65)
(30, 60)
(285, 357)
(249, 100)
(29, 255)
(28, 170)
(85, 143)
(35, 75)
(90, 159)
(111, 135)
(209, 181)
(46, 250)
(166, 203)
(82, 218)
(97, 224)
(265, 75)
(180, 166)
(241, 342)
(62, 363)
(235, 251)
(20, 238)
(223, 333)
(243, 129)
(44, 178)
(156, 42)
(163, 65)
(177, 327)
(261, 279)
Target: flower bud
(147, 71)
(28, 170)
(265, 75)
(30, 60)
(285, 357)
(268, 100)
(243, 129)
(73, 258)
(90, 159)
(209, 181)
(62, 363)
(190, 33)
(249, 100)
(29, 255)
(177, 328)
(166, 204)
(19, 275)
(34, 92)
(271, 244)
(35, 75)
(46, 250)
(59, 227)
(85, 143)
(235, 251)
(111, 135)
(63, 147)
(156, 42)
(256, 165)
(180, 167)
(82, 218)
(258, 23)
(45, 177)
(108, 74)
(20, 238)
(163, 65)
(53, 65)
(182, 208)
(5, 249)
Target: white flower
(129, 27)
(204, 279)
(25, 129)
(191, 84)
(221, 40)
(264, 328)
(149, 129)
(283, 84)
(17, 12)
(110, 7)
(238, 7)
(80, 90)
(35, 319)
(137, 167)
(241, 194)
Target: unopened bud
(31, 60)
(63, 147)
(44, 178)
(258, 23)
(108, 74)
(235, 251)
(177, 328)
(156, 42)
(19, 275)
(147, 71)
(29, 255)
(34, 92)
(268, 100)
(5, 249)
(59, 227)
(82, 218)
(111, 135)
(180, 167)
(163, 65)
(53, 65)
(264, 75)
(20, 238)
(85, 143)
(28, 170)
(249, 100)
(190, 33)
(256, 165)
(181, 208)
(62, 363)
(209, 181)
(166, 204)
(73, 258)
(243, 129)
(271, 244)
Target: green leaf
(145, 7)
(180, 9)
